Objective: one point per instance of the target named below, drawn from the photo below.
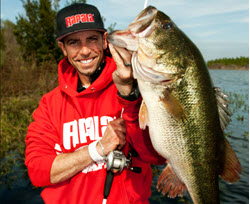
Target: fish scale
(171, 137)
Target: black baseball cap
(78, 17)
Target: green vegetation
(239, 106)
(241, 61)
(29, 56)
(22, 85)
(16, 114)
(235, 62)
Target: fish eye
(167, 26)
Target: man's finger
(125, 54)
(116, 56)
(120, 121)
(121, 56)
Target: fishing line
(145, 3)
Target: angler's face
(85, 50)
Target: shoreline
(229, 67)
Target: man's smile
(87, 61)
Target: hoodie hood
(68, 78)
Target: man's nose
(85, 50)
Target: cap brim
(63, 36)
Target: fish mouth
(120, 38)
(142, 25)
(123, 38)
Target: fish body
(185, 114)
(188, 146)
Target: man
(92, 112)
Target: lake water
(235, 83)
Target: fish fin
(169, 183)
(173, 106)
(143, 116)
(222, 103)
(232, 168)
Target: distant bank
(239, 63)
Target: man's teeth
(86, 61)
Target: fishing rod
(116, 161)
(145, 3)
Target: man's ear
(105, 43)
(61, 45)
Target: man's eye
(93, 38)
(72, 42)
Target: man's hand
(69, 164)
(114, 137)
(123, 75)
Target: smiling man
(85, 51)
(78, 123)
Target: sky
(220, 28)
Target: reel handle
(108, 183)
(135, 169)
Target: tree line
(239, 61)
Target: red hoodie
(67, 120)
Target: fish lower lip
(166, 81)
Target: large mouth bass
(186, 116)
